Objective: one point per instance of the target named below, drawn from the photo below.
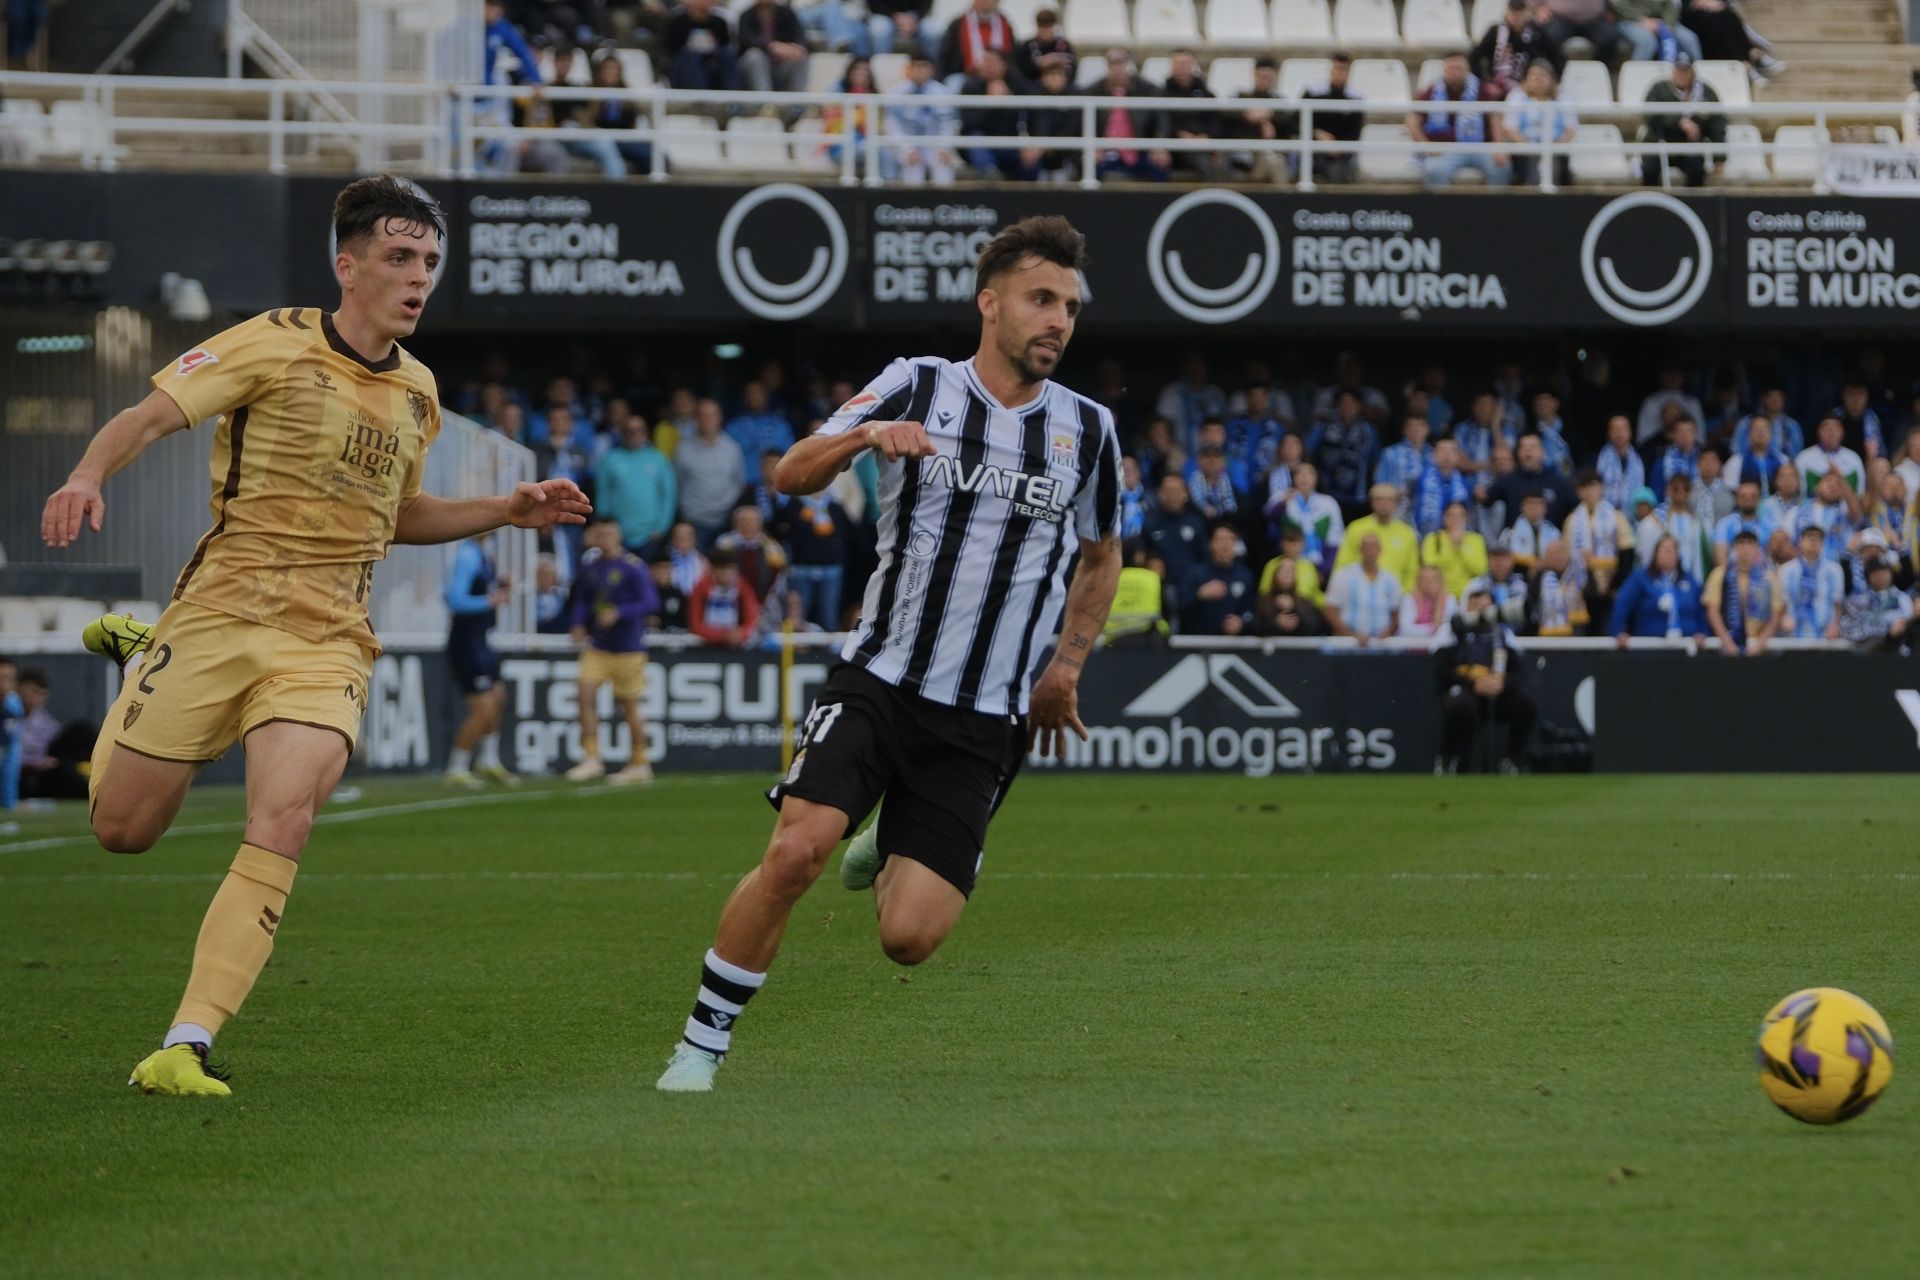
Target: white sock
(489, 753)
(187, 1033)
(459, 760)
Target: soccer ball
(1824, 1055)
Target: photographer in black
(1482, 679)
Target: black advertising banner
(641, 256)
(648, 254)
(1822, 264)
(1224, 257)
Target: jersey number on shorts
(161, 657)
(819, 723)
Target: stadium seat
(1020, 14)
(1165, 22)
(1090, 70)
(1302, 24)
(1230, 77)
(825, 71)
(70, 617)
(144, 610)
(70, 127)
(1297, 75)
(1485, 14)
(1638, 77)
(1433, 24)
(693, 142)
(1387, 165)
(1586, 83)
(810, 154)
(636, 66)
(889, 69)
(25, 121)
(757, 142)
(1796, 152)
(1238, 24)
(942, 14)
(1366, 24)
(1727, 78)
(1608, 166)
(1092, 24)
(22, 617)
(1429, 72)
(1746, 155)
(1381, 80)
(1155, 69)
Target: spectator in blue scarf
(1659, 600)
(1787, 435)
(1405, 461)
(1742, 599)
(1437, 124)
(1814, 587)
(1880, 616)
(1440, 486)
(1755, 457)
(1134, 500)
(1253, 437)
(1343, 448)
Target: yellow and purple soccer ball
(1825, 1055)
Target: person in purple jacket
(612, 599)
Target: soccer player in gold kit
(324, 426)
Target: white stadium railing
(448, 130)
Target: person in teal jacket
(636, 486)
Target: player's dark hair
(1050, 238)
(366, 204)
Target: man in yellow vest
(1137, 615)
(1399, 544)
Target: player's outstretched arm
(811, 465)
(78, 501)
(1054, 707)
(427, 519)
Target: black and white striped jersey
(976, 541)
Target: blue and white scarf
(1435, 494)
(1621, 476)
(1744, 598)
(1465, 126)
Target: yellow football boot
(117, 637)
(180, 1072)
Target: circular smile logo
(1643, 233)
(825, 267)
(1215, 241)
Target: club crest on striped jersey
(194, 359)
(1039, 497)
(1061, 450)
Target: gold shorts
(627, 671)
(209, 679)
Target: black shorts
(944, 771)
(476, 667)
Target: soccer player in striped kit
(992, 477)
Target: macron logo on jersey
(1039, 497)
(194, 359)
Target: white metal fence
(467, 461)
(448, 129)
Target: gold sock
(237, 936)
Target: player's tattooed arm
(811, 465)
(1054, 706)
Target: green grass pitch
(1333, 1027)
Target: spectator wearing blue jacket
(636, 486)
(1660, 600)
(756, 428)
(612, 600)
(1217, 597)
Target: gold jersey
(316, 451)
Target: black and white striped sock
(724, 992)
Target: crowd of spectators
(1313, 508)
(766, 45)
